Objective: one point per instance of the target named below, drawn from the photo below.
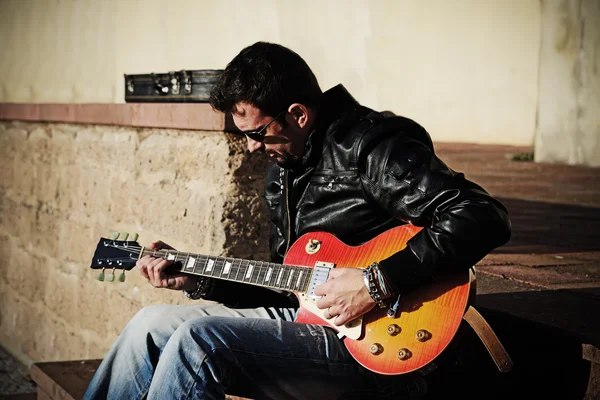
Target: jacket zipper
(287, 211)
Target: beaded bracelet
(204, 289)
(377, 285)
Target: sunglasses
(259, 134)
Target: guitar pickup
(319, 276)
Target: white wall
(466, 70)
(568, 128)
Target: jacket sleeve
(461, 221)
(239, 295)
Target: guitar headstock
(112, 254)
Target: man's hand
(153, 269)
(345, 296)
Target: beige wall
(63, 186)
(467, 70)
(568, 128)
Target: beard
(285, 161)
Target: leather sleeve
(239, 295)
(462, 222)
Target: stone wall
(63, 186)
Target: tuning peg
(125, 236)
(134, 237)
(115, 235)
(101, 275)
(111, 276)
(122, 276)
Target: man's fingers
(322, 289)
(156, 271)
(335, 272)
(153, 269)
(142, 265)
(171, 282)
(339, 320)
(324, 302)
(159, 245)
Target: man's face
(284, 145)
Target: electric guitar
(423, 325)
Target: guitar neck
(259, 273)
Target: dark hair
(268, 76)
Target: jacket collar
(335, 103)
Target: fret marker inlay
(210, 264)
(190, 263)
(227, 268)
(249, 273)
(269, 271)
(299, 277)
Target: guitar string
(201, 256)
(302, 283)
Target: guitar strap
(489, 339)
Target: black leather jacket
(365, 172)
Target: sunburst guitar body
(425, 321)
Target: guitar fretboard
(260, 273)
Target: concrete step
(67, 380)
(63, 380)
(548, 363)
(22, 396)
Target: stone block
(107, 146)
(76, 242)
(68, 197)
(19, 319)
(46, 182)
(95, 307)
(46, 229)
(121, 192)
(28, 274)
(22, 165)
(17, 219)
(56, 340)
(93, 197)
(62, 294)
(6, 250)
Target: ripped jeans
(204, 351)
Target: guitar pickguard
(352, 329)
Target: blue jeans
(204, 351)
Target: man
(339, 168)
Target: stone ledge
(63, 380)
(190, 116)
(68, 380)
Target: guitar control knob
(376, 349)
(313, 246)
(393, 329)
(423, 335)
(404, 354)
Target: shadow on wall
(539, 227)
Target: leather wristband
(204, 289)
(372, 279)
